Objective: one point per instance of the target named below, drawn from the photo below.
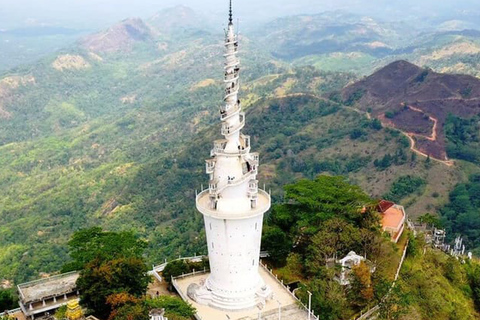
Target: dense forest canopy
(462, 215)
(113, 277)
(320, 221)
(117, 138)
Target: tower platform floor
(290, 309)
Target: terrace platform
(283, 299)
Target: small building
(393, 219)
(43, 297)
(439, 239)
(157, 314)
(351, 260)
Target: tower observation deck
(233, 206)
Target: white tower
(232, 206)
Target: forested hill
(114, 133)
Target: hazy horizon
(92, 14)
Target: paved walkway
(290, 310)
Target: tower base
(283, 306)
(202, 294)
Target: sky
(95, 14)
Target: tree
(89, 244)
(175, 308)
(430, 220)
(473, 274)
(361, 285)
(328, 298)
(376, 124)
(315, 201)
(276, 242)
(61, 312)
(175, 269)
(294, 265)
(357, 133)
(101, 279)
(7, 300)
(326, 218)
(428, 162)
(337, 237)
(128, 307)
(414, 157)
(109, 263)
(395, 305)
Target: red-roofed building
(393, 218)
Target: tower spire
(232, 201)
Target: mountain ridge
(120, 37)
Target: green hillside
(115, 133)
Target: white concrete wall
(234, 250)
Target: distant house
(393, 218)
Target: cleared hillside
(416, 101)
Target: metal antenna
(231, 13)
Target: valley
(104, 133)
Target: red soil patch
(430, 97)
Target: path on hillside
(300, 94)
(450, 99)
(367, 114)
(448, 163)
(432, 137)
(410, 135)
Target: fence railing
(9, 312)
(274, 276)
(159, 268)
(182, 295)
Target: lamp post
(309, 304)
(279, 310)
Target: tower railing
(244, 142)
(230, 92)
(229, 130)
(229, 76)
(218, 147)
(204, 207)
(232, 64)
(210, 165)
(234, 42)
(214, 188)
(224, 115)
(234, 51)
(253, 158)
